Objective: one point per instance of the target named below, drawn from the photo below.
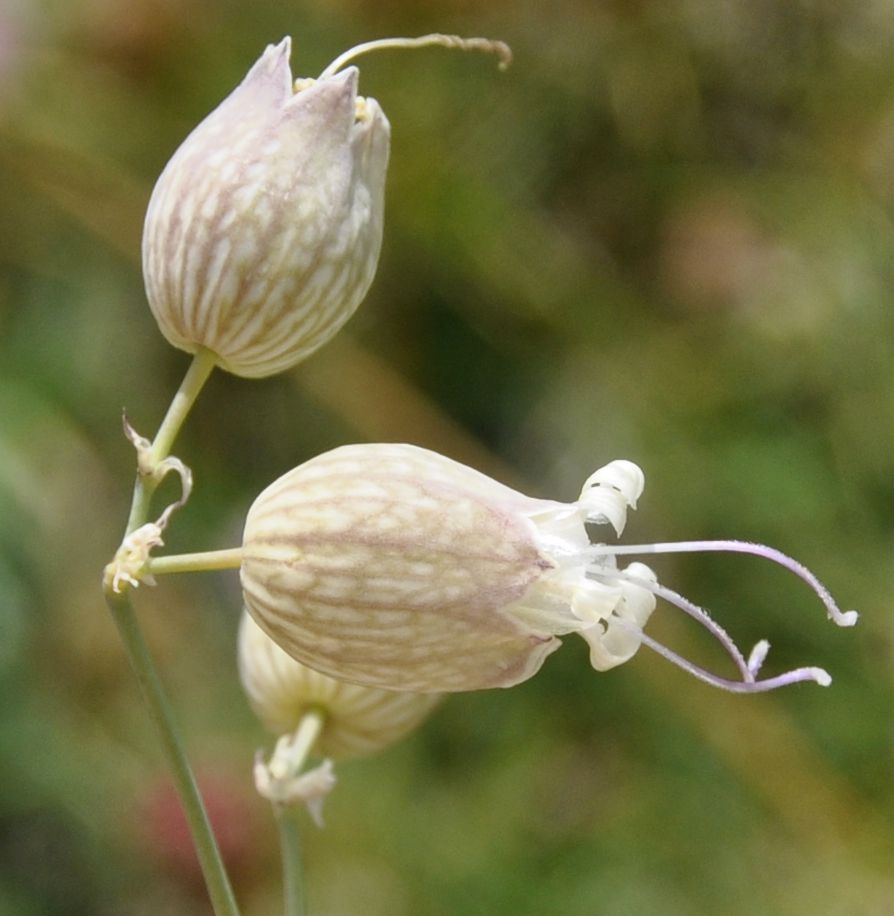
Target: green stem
(219, 890)
(203, 363)
(292, 871)
(195, 562)
(200, 369)
(299, 749)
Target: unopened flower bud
(263, 232)
(393, 566)
(264, 229)
(356, 719)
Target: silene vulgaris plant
(376, 577)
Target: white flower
(263, 232)
(393, 566)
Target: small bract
(393, 566)
(264, 229)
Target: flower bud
(356, 720)
(264, 229)
(395, 567)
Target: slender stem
(195, 562)
(203, 362)
(199, 370)
(219, 890)
(292, 870)
(842, 618)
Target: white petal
(610, 491)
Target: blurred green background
(664, 234)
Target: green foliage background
(664, 234)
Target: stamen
(797, 675)
(693, 610)
(500, 48)
(842, 618)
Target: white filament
(747, 669)
(842, 618)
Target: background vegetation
(664, 234)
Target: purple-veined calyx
(263, 232)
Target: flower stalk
(291, 851)
(200, 369)
(203, 561)
(219, 888)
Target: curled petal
(609, 492)
(616, 639)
